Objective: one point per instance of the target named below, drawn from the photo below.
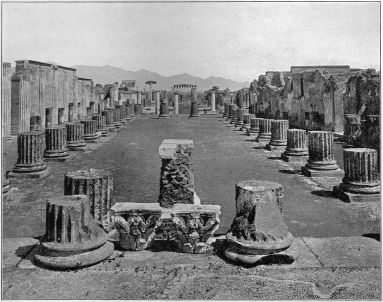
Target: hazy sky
(234, 40)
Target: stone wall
(6, 99)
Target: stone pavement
(327, 268)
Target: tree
(150, 83)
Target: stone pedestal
(97, 184)
(246, 122)
(176, 104)
(278, 139)
(56, 143)
(254, 127)
(116, 118)
(194, 109)
(164, 112)
(240, 114)
(72, 237)
(109, 119)
(101, 124)
(264, 131)
(231, 108)
(258, 230)
(234, 118)
(177, 176)
(30, 146)
(75, 136)
(226, 110)
(321, 160)
(296, 149)
(90, 133)
(361, 176)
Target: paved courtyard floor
(222, 157)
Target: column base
(76, 146)
(262, 140)
(117, 125)
(111, 128)
(275, 148)
(352, 197)
(322, 173)
(33, 174)
(77, 260)
(294, 159)
(91, 139)
(164, 116)
(245, 129)
(252, 133)
(194, 115)
(280, 258)
(59, 156)
(211, 112)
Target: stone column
(116, 118)
(164, 112)
(109, 119)
(75, 136)
(5, 183)
(264, 131)
(157, 102)
(321, 160)
(258, 229)
(30, 147)
(90, 134)
(361, 176)
(296, 148)
(139, 98)
(177, 176)
(70, 112)
(240, 115)
(137, 109)
(278, 139)
(48, 117)
(234, 119)
(254, 126)
(246, 122)
(56, 143)
(176, 110)
(194, 109)
(226, 110)
(97, 184)
(212, 101)
(231, 108)
(101, 124)
(72, 237)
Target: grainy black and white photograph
(190, 150)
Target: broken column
(164, 112)
(176, 110)
(177, 176)
(246, 122)
(278, 139)
(212, 104)
(234, 119)
(75, 136)
(30, 147)
(109, 119)
(231, 108)
(226, 110)
(116, 118)
(321, 160)
(361, 176)
(137, 109)
(258, 233)
(194, 111)
(240, 113)
(72, 237)
(264, 131)
(5, 183)
(56, 143)
(296, 148)
(254, 127)
(97, 184)
(101, 124)
(90, 133)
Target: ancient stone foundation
(72, 237)
(101, 124)
(56, 143)
(296, 149)
(90, 133)
(361, 180)
(258, 232)
(30, 146)
(321, 160)
(264, 131)
(254, 127)
(97, 184)
(278, 139)
(75, 137)
(177, 176)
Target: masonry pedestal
(72, 237)
(109, 119)
(321, 162)
(254, 127)
(258, 230)
(56, 143)
(30, 164)
(361, 180)
(264, 131)
(101, 124)
(296, 149)
(278, 139)
(75, 137)
(90, 133)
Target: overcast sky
(233, 40)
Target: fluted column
(75, 136)
(278, 134)
(97, 184)
(72, 237)
(240, 115)
(101, 124)
(56, 143)
(109, 119)
(194, 109)
(30, 147)
(116, 118)
(296, 148)
(90, 133)
(213, 101)
(70, 112)
(246, 122)
(321, 156)
(258, 229)
(234, 119)
(264, 131)
(254, 126)
(176, 110)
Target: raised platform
(322, 173)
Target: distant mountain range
(109, 74)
